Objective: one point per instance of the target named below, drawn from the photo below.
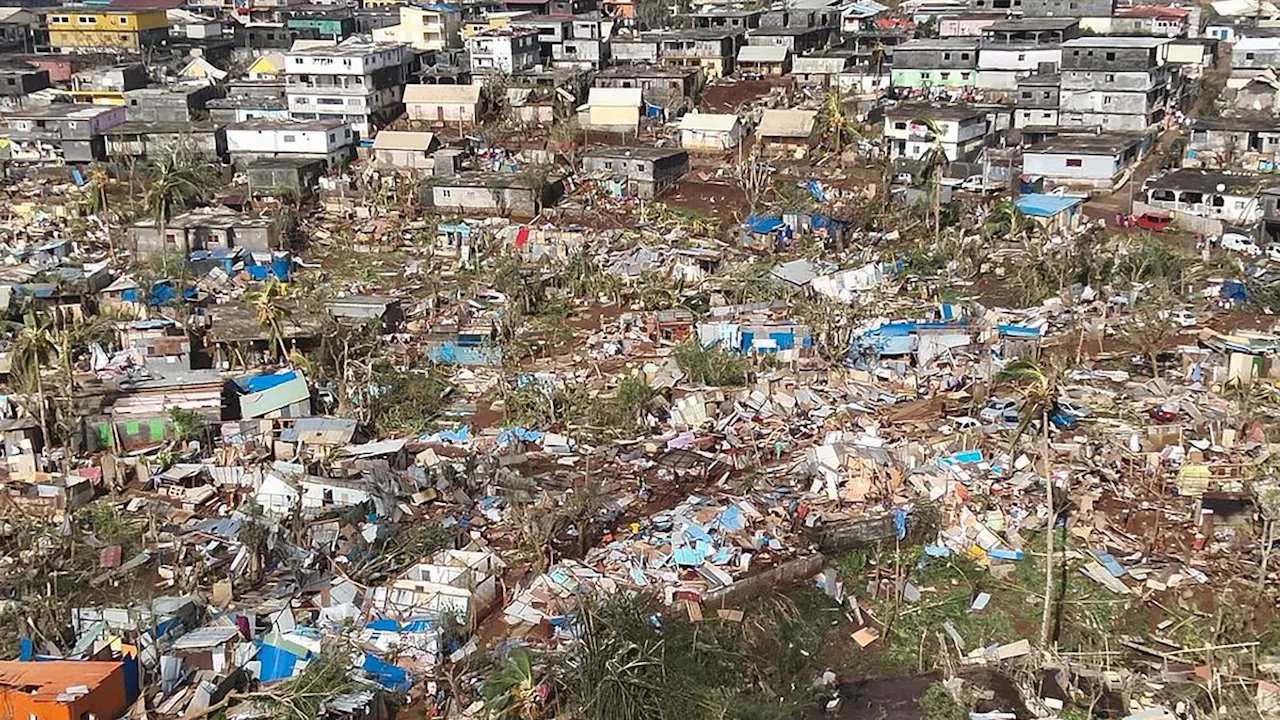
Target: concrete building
(798, 40)
(961, 131)
(504, 50)
(175, 103)
(1249, 56)
(659, 85)
(1248, 143)
(61, 132)
(1035, 31)
(207, 229)
(713, 17)
(437, 105)
(329, 141)
(968, 24)
(428, 28)
(951, 62)
(143, 139)
(715, 51)
(644, 172)
(1229, 197)
(505, 193)
(1153, 20)
(1000, 67)
(405, 150)
(18, 80)
(1036, 101)
(106, 30)
(1115, 83)
(359, 83)
(1066, 8)
(710, 132)
(787, 131)
(1093, 162)
(586, 53)
(764, 60)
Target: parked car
(1153, 222)
(1273, 253)
(1073, 407)
(996, 408)
(1240, 243)
(975, 184)
(1184, 318)
(1162, 414)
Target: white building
(1088, 161)
(331, 141)
(710, 132)
(359, 83)
(961, 131)
(506, 50)
(1000, 67)
(1229, 197)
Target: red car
(1162, 414)
(1153, 222)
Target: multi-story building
(358, 83)
(18, 80)
(961, 130)
(949, 62)
(505, 50)
(1014, 49)
(1153, 20)
(1250, 56)
(61, 132)
(106, 30)
(425, 27)
(1037, 100)
(715, 51)
(1067, 8)
(328, 23)
(1114, 83)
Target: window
(290, 138)
(1022, 56)
(1248, 56)
(1047, 94)
(899, 126)
(1110, 77)
(946, 56)
(9, 81)
(964, 76)
(86, 19)
(1239, 204)
(303, 101)
(124, 36)
(946, 76)
(1026, 94)
(333, 137)
(123, 20)
(1111, 57)
(444, 193)
(1075, 162)
(1046, 115)
(964, 56)
(60, 19)
(1106, 100)
(608, 165)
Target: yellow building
(83, 30)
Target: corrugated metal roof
(818, 65)
(787, 123)
(615, 97)
(446, 94)
(708, 122)
(763, 53)
(403, 140)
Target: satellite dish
(1221, 187)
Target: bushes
(714, 367)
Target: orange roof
(1155, 11)
(48, 680)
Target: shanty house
(207, 229)
(405, 150)
(1054, 213)
(443, 104)
(788, 131)
(513, 193)
(615, 109)
(63, 689)
(454, 581)
(710, 132)
(766, 60)
(646, 172)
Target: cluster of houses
(1073, 92)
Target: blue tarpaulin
(387, 675)
(259, 383)
(508, 436)
(383, 625)
(1234, 291)
(815, 189)
(900, 522)
(275, 663)
(763, 224)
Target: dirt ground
(725, 202)
(732, 95)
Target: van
(1240, 243)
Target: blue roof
(1041, 205)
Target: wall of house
(934, 77)
(518, 201)
(611, 116)
(1071, 167)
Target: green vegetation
(714, 367)
(937, 704)
(406, 401)
(187, 424)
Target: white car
(1241, 243)
(1184, 318)
(1073, 408)
(1273, 253)
(995, 408)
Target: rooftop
(140, 127)
(955, 43)
(485, 179)
(1041, 205)
(442, 93)
(1102, 41)
(645, 153)
(66, 111)
(403, 140)
(1153, 11)
(1086, 144)
(268, 124)
(787, 123)
(346, 50)
(1033, 24)
(708, 122)
(1209, 182)
(646, 71)
(763, 53)
(1042, 79)
(935, 112)
(47, 680)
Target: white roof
(443, 94)
(1258, 43)
(787, 123)
(615, 97)
(763, 53)
(708, 122)
(402, 140)
(815, 65)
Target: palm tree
(932, 163)
(269, 312)
(176, 183)
(1006, 219)
(838, 129)
(1038, 391)
(33, 349)
(98, 201)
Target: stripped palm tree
(1038, 390)
(516, 692)
(98, 201)
(269, 312)
(34, 348)
(933, 161)
(177, 183)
